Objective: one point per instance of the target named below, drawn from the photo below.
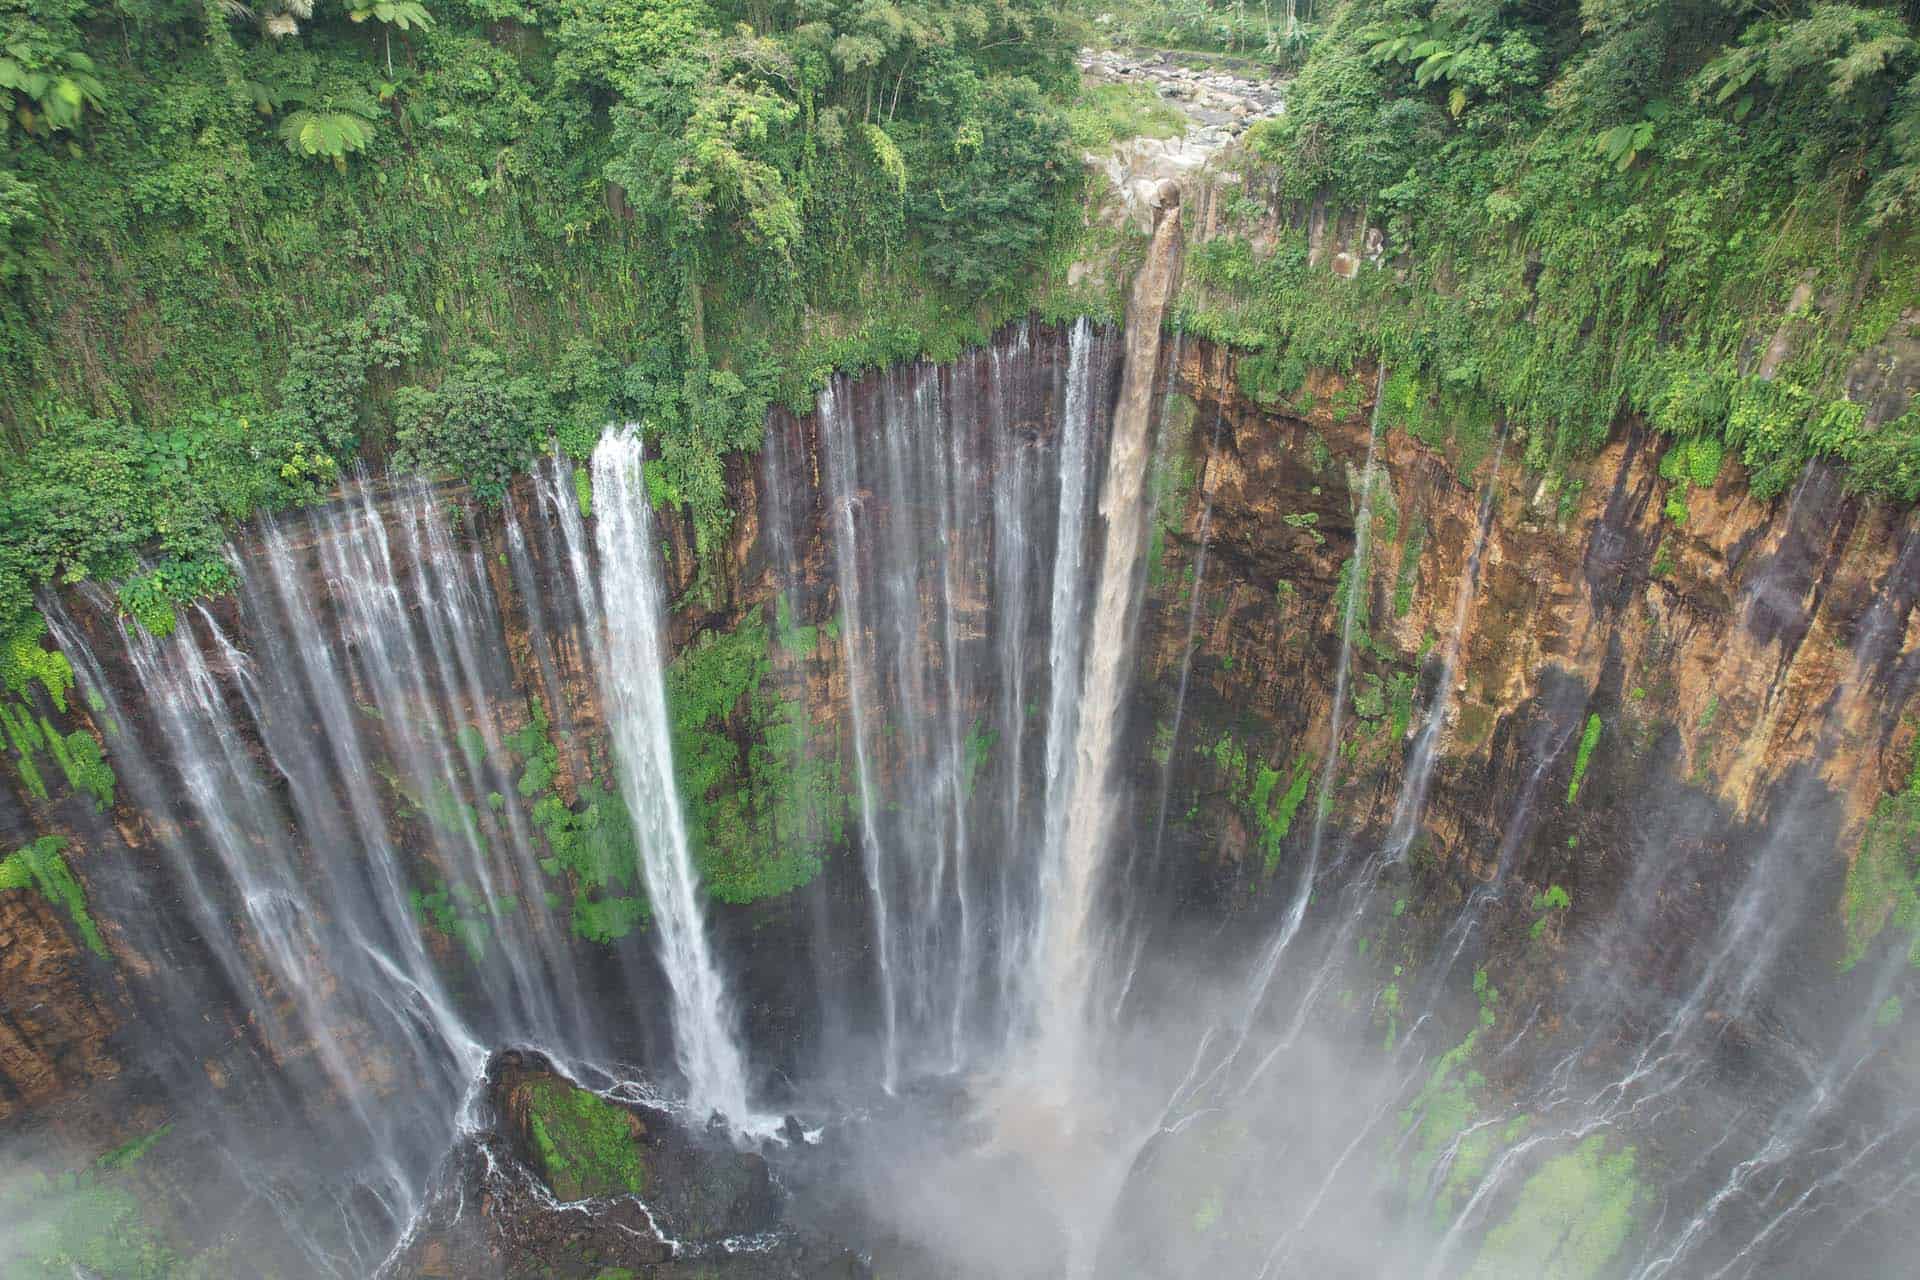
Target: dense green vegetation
(42, 866)
(763, 804)
(84, 1222)
(240, 246)
(1598, 207)
(1275, 32)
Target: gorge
(1081, 793)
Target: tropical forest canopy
(242, 246)
(1605, 206)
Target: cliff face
(1719, 654)
(1641, 704)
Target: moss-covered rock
(1570, 1220)
(584, 1145)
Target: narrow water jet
(1261, 979)
(631, 679)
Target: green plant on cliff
(1589, 739)
(24, 660)
(591, 846)
(85, 1223)
(79, 757)
(23, 733)
(1441, 1114)
(585, 1145)
(1883, 882)
(763, 799)
(460, 913)
(1169, 483)
(1255, 788)
(42, 866)
(1545, 904)
(1571, 1219)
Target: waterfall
(363, 638)
(347, 791)
(1412, 803)
(1071, 875)
(940, 499)
(1019, 482)
(633, 685)
(1410, 807)
(837, 440)
(1066, 636)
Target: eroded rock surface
(575, 1185)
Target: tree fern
(339, 125)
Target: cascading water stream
(1744, 953)
(326, 952)
(1410, 808)
(938, 500)
(636, 697)
(837, 441)
(1071, 878)
(1066, 632)
(1019, 471)
(1261, 979)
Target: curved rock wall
(1726, 661)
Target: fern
(408, 15)
(338, 127)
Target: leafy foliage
(592, 846)
(42, 865)
(332, 129)
(479, 423)
(529, 218)
(1604, 208)
(765, 804)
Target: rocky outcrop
(1219, 108)
(687, 1204)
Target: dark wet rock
(702, 1207)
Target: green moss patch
(1589, 739)
(585, 1146)
(1883, 883)
(1571, 1219)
